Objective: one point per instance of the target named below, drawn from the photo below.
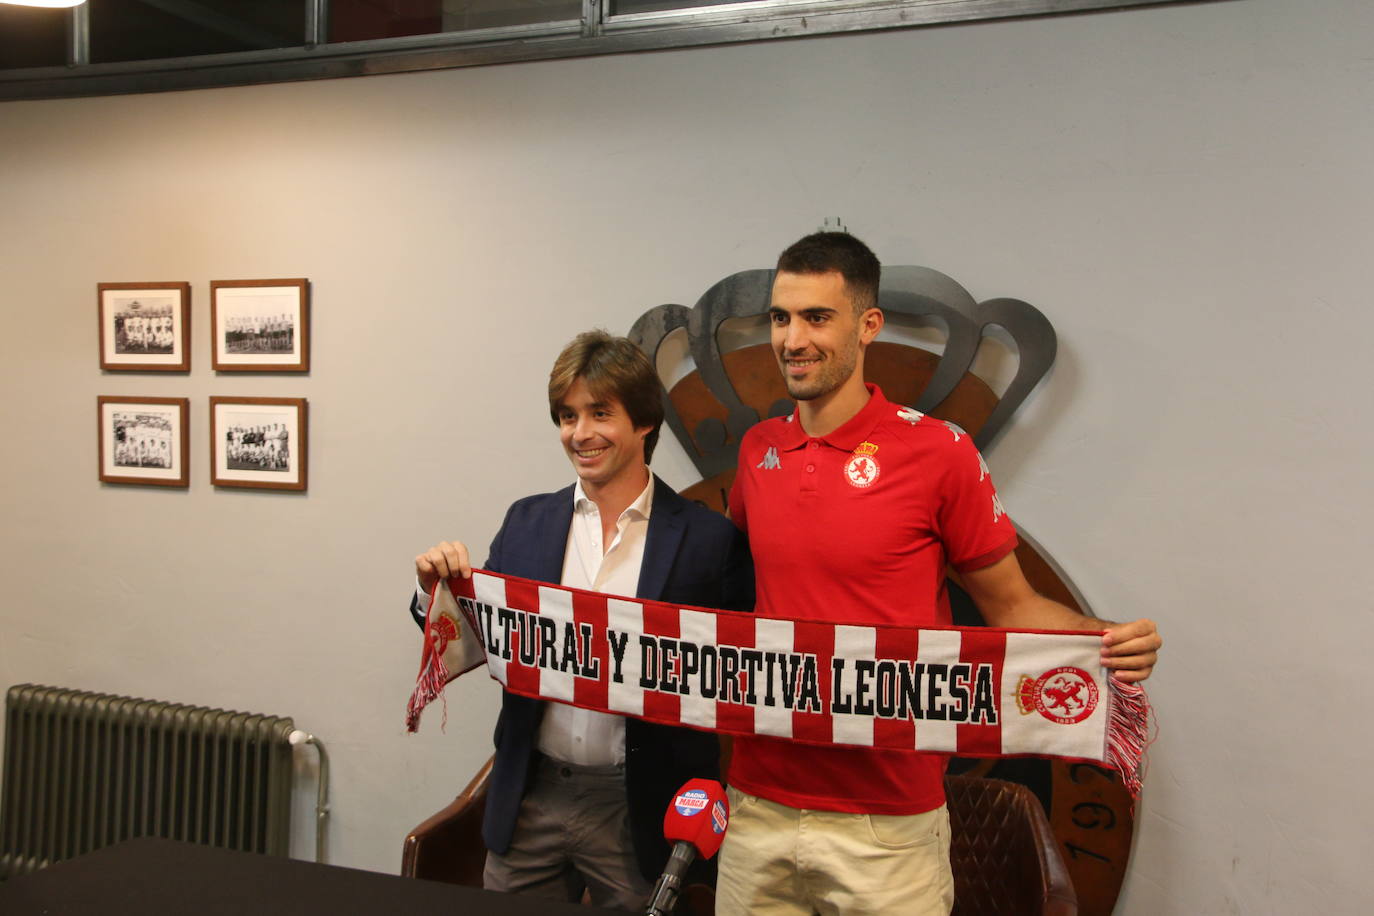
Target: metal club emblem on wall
(710, 408)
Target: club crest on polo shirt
(691, 802)
(862, 468)
(1066, 695)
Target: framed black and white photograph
(258, 442)
(260, 325)
(144, 440)
(145, 327)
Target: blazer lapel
(666, 528)
(550, 538)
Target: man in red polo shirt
(854, 506)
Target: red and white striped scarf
(969, 691)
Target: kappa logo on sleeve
(998, 510)
(771, 461)
(1066, 695)
(911, 415)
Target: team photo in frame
(145, 327)
(144, 440)
(258, 443)
(260, 325)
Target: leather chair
(1005, 858)
(448, 846)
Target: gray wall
(1185, 190)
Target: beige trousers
(781, 861)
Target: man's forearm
(1036, 612)
(1006, 599)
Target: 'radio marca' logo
(718, 817)
(691, 802)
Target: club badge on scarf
(970, 691)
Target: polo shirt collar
(847, 437)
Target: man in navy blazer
(576, 798)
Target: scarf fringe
(428, 687)
(1128, 733)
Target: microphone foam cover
(698, 814)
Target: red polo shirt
(857, 527)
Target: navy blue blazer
(692, 556)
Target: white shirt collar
(642, 504)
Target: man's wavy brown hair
(612, 367)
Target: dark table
(153, 877)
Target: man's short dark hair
(822, 252)
(612, 367)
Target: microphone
(695, 824)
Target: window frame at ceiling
(595, 32)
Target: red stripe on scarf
(898, 645)
(520, 677)
(987, 646)
(660, 620)
(591, 609)
(736, 631)
(818, 640)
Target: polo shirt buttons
(810, 469)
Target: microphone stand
(670, 882)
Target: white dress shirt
(569, 733)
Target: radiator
(84, 770)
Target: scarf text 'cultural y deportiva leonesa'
(969, 691)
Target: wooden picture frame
(144, 440)
(260, 325)
(144, 327)
(258, 443)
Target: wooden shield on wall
(710, 407)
